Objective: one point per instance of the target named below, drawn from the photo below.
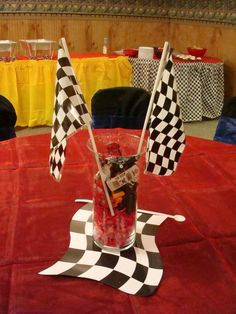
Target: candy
(116, 231)
(113, 149)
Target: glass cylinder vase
(120, 166)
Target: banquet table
(200, 84)
(198, 255)
(30, 84)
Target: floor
(204, 129)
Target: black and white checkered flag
(137, 270)
(166, 140)
(70, 112)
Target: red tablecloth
(77, 55)
(198, 255)
(114, 55)
(204, 60)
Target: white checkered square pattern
(137, 270)
(166, 132)
(70, 112)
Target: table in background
(198, 255)
(200, 85)
(30, 84)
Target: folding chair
(119, 107)
(7, 119)
(226, 127)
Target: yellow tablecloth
(30, 84)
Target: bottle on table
(105, 46)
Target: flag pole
(157, 81)
(94, 147)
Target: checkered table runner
(136, 271)
(200, 86)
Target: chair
(119, 107)
(7, 119)
(226, 127)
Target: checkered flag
(70, 112)
(136, 271)
(166, 140)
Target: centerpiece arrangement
(115, 186)
(117, 157)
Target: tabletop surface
(80, 55)
(31, 83)
(198, 255)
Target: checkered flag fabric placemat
(166, 140)
(70, 112)
(137, 270)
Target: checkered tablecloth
(200, 85)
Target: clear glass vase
(120, 165)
